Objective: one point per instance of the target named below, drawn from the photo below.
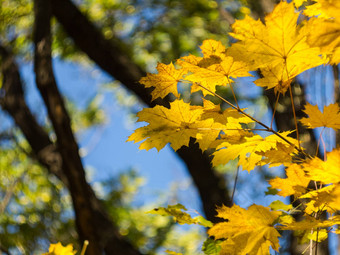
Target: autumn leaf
(278, 47)
(280, 155)
(249, 150)
(327, 171)
(175, 126)
(228, 116)
(173, 252)
(295, 184)
(330, 117)
(323, 9)
(248, 231)
(59, 249)
(180, 216)
(325, 28)
(214, 68)
(164, 82)
(324, 199)
(211, 47)
(279, 205)
(309, 222)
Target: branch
(13, 102)
(93, 225)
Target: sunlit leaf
(248, 231)
(278, 47)
(164, 82)
(59, 249)
(295, 184)
(330, 117)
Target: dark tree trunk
(111, 58)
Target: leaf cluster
(280, 49)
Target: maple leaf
(248, 231)
(229, 116)
(325, 28)
(295, 184)
(309, 223)
(324, 199)
(175, 126)
(329, 118)
(164, 82)
(249, 150)
(280, 155)
(323, 9)
(180, 216)
(59, 249)
(327, 171)
(215, 68)
(278, 48)
(211, 47)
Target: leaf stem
(234, 188)
(257, 121)
(274, 111)
(295, 120)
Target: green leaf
(271, 191)
(181, 217)
(211, 246)
(204, 222)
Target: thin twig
(232, 91)
(255, 120)
(274, 111)
(295, 120)
(234, 188)
(317, 147)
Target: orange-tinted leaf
(327, 171)
(329, 118)
(325, 199)
(295, 184)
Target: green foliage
(180, 216)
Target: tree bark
(12, 101)
(111, 58)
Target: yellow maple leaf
(164, 82)
(211, 47)
(323, 9)
(308, 223)
(229, 115)
(324, 199)
(295, 184)
(329, 118)
(248, 231)
(327, 171)
(59, 249)
(249, 150)
(281, 155)
(278, 47)
(214, 68)
(325, 28)
(175, 126)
